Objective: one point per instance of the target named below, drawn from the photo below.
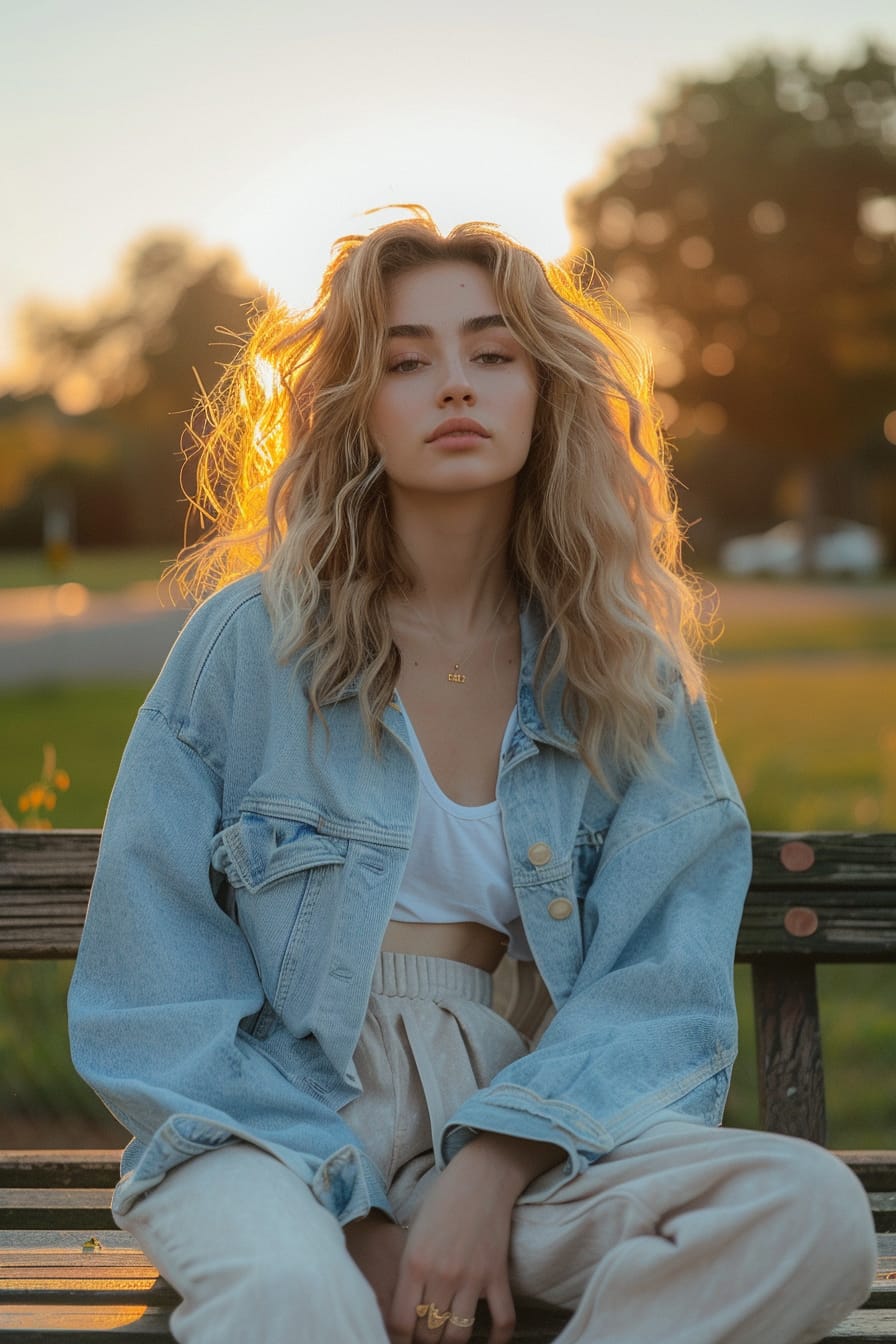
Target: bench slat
(875, 1168)
(73, 1208)
(88, 1324)
(846, 880)
(855, 859)
(85, 1324)
(25, 1324)
(866, 1327)
(31, 1208)
(62, 1167)
(45, 878)
(99, 1167)
(131, 1299)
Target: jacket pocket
(284, 876)
(259, 851)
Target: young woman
(445, 709)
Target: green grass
(805, 702)
(871, 631)
(811, 741)
(105, 570)
(88, 725)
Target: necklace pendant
(456, 675)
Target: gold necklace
(456, 676)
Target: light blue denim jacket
(247, 874)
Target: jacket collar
(553, 728)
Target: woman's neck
(458, 559)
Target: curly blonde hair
(291, 482)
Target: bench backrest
(813, 898)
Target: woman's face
(455, 407)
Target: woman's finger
(401, 1318)
(503, 1312)
(443, 1318)
(433, 1311)
(459, 1326)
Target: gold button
(560, 908)
(540, 854)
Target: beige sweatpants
(687, 1235)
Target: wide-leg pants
(686, 1234)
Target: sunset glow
(273, 131)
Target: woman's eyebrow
(424, 333)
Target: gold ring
(435, 1319)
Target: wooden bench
(66, 1273)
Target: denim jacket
(248, 870)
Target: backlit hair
(291, 482)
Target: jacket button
(540, 854)
(560, 908)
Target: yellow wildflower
(39, 797)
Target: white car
(841, 548)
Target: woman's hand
(376, 1245)
(458, 1245)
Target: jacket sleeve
(649, 1025)
(164, 983)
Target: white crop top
(458, 869)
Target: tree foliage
(104, 393)
(749, 232)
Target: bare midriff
(476, 944)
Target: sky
(271, 126)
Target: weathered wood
(866, 1327)
(55, 1208)
(60, 1168)
(813, 898)
(876, 1169)
(788, 1048)
(27, 1323)
(847, 882)
(14, 1240)
(67, 1284)
(45, 878)
(838, 858)
(69, 1291)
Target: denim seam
(664, 826)
(153, 712)
(213, 644)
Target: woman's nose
(456, 387)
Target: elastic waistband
(398, 974)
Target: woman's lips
(458, 433)
(458, 438)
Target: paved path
(65, 633)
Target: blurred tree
(126, 372)
(749, 232)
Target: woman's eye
(405, 365)
(493, 357)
